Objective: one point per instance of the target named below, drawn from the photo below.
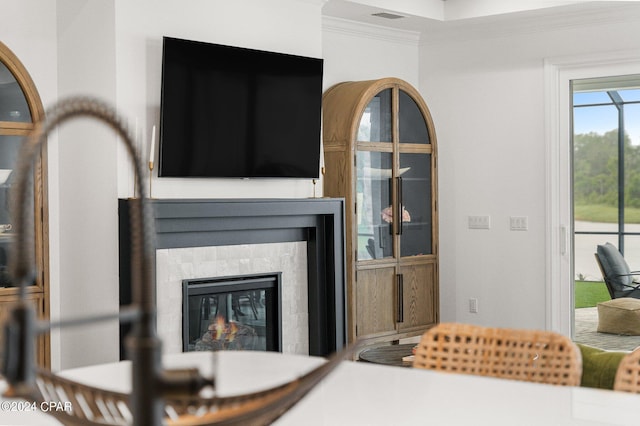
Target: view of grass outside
(605, 214)
(590, 293)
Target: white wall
(288, 26)
(485, 89)
(354, 51)
(87, 185)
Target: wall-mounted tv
(235, 112)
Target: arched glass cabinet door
(394, 177)
(13, 109)
(414, 178)
(20, 109)
(374, 170)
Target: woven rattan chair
(528, 355)
(628, 374)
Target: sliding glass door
(606, 183)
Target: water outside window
(606, 178)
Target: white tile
(174, 265)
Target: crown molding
(535, 22)
(377, 32)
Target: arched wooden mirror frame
(39, 292)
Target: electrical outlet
(479, 222)
(473, 305)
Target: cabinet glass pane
(416, 204)
(9, 146)
(13, 103)
(375, 123)
(373, 198)
(412, 125)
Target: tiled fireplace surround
(175, 265)
(302, 238)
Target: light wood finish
(375, 290)
(628, 374)
(39, 292)
(528, 355)
(417, 296)
(376, 310)
(36, 297)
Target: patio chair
(617, 275)
(527, 355)
(628, 374)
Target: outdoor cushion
(599, 366)
(615, 268)
(619, 316)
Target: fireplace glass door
(232, 313)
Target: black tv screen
(236, 112)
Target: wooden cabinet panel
(37, 299)
(375, 293)
(419, 296)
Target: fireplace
(197, 230)
(232, 313)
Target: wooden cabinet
(20, 109)
(35, 297)
(380, 155)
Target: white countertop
(369, 394)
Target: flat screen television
(241, 113)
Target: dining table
(360, 393)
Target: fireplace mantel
(220, 222)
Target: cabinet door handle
(396, 206)
(400, 297)
(400, 206)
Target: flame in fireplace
(222, 335)
(223, 330)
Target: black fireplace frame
(320, 222)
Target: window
(606, 169)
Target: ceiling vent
(386, 15)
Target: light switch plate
(519, 223)
(479, 222)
